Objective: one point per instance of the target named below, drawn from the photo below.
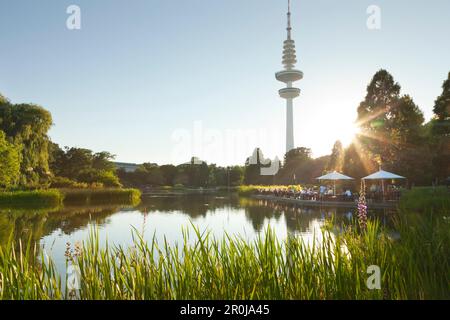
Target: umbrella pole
(382, 184)
(334, 188)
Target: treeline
(30, 160)
(393, 135)
(78, 167)
(192, 174)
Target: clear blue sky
(140, 73)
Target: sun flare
(348, 133)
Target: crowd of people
(374, 193)
(321, 193)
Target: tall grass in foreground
(415, 267)
(23, 277)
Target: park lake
(165, 217)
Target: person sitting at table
(302, 194)
(348, 194)
(322, 190)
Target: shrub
(107, 178)
(63, 182)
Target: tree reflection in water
(36, 224)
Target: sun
(347, 133)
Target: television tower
(288, 76)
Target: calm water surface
(165, 217)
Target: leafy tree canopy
(9, 162)
(26, 125)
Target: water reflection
(36, 224)
(299, 218)
(164, 218)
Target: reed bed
(101, 196)
(415, 267)
(35, 199)
(421, 199)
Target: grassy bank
(101, 196)
(415, 267)
(53, 198)
(421, 199)
(31, 199)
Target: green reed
(421, 199)
(35, 199)
(102, 196)
(23, 276)
(414, 267)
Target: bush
(106, 178)
(63, 182)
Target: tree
(440, 133)
(26, 125)
(198, 174)
(56, 158)
(103, 161)
(405, 122)
(3, 99)
(300, 167)
(356, 164)
(412, 155)
(441, 125)
(9, 162)
(153, 175)
(82, 165)
(374, 114)
(236, 176)
(336, 158)
(391, 128)
(76, 161)
(297, 155)
(169, 173)
(217, 176)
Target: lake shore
(319, 203)
(53, 198)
